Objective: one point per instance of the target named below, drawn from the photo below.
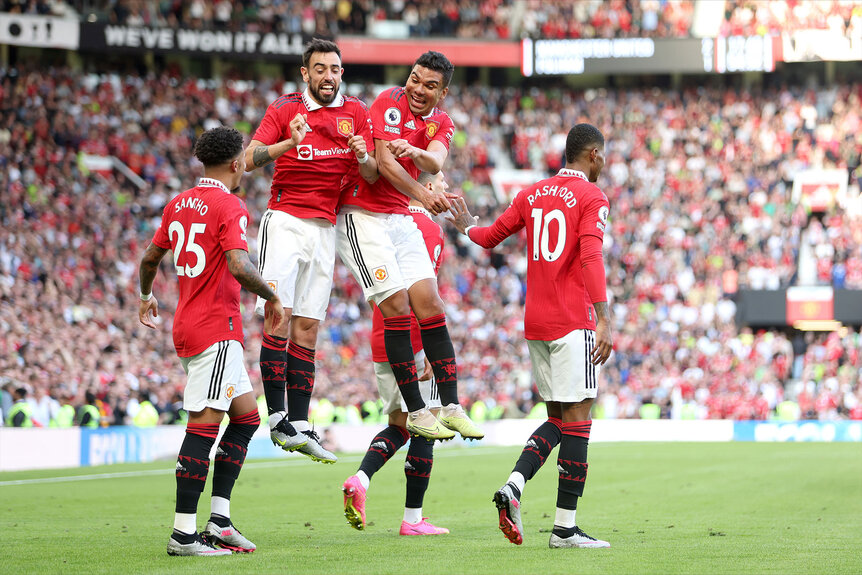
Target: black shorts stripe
(218, 370)
(591, 373)
(357, 253)
(264, 236)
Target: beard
(323, 98)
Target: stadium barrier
(46, 448)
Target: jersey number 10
(540, 234)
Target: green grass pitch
(665, 508)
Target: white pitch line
(252, 465)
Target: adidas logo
(381, 445)
(532, 443)
(408, 466)
(220, 451)
(180, 467)
(410, 125)
(560, 468)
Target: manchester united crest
(344, 126)
(431, 129)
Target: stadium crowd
(487, 19)
(689, 225)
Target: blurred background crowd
(486, 19)
(699, 181)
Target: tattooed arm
(248, 277)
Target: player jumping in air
(316, 138)
(420, 454)
(380, 243)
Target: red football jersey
(308, 179)
(557, 212)
(433, 236)
(199, 226)
(393, 120)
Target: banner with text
(101, 37)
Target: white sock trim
(412, 516)
(300, 425)
(275, 417)
(186, 522)
(519, 480)
(220, 506)
(363, 479)
(565, 518)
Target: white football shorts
(216, 376)
(387, 387)
(562, 367)
(385, 252)
(297, 260)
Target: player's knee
(398, 418)
(395, 305)
(303, 330)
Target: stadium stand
(71, 236)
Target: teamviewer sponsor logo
(304, 152)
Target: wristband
(467, 230)
(146, 297)
(364, 159)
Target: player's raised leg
(429, 310)
(300, 384)
(382, 448)
(279, 268)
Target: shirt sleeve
(161, 237)
(593, 268)
(232, 231)
(386, 117)
(271, 129)
(508, 223)
(594, 215)
(446, 131)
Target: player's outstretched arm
(146, 275)
(248, 277)
(258, 154)
(507, 224)
(461, 217)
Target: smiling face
(424, 90)
(323, 76)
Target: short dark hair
(21, 391)
(425, 177)
(582, 137)
(437, 62)
(218, 146)
(319, 45)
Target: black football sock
(231, 452)
(193, 463)
(441, 354)
(383, 446)
(537, 449)
(572, 463)
(417, 469)
(399, 352)
(300, 381)
(273, 371)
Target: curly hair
(218, 146)
(582, 137)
